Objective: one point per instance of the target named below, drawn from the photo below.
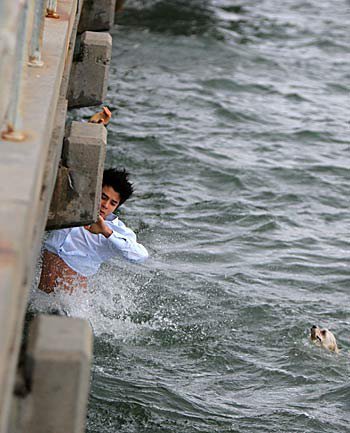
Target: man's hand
(99, 227)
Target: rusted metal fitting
(51, 9)
(13, 135)
(36, 42)
(103, 117)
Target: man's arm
(121, 240)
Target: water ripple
(232, 118)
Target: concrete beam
(97, 15)
(77, 194)
(90, 69)
(22, 168)
(58, 369)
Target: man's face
(110, 200)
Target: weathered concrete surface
(22, 167)
(20, 414)
(90, 69)
(77, 194)
(70, 52)
(51, 168)
(97, 15)
(58, 368)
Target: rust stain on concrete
(7, 254)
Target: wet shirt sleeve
(55, 240)
(123, 241)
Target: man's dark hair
(119, 181)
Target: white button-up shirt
(84, 251)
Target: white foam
(108, 303)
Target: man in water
(72, 255)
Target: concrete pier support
(77, 192)
(97, 15)
(58, 371)
(89, 73)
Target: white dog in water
(324, 338)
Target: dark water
(233, 118)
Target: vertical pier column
(97, 15)
(77, 195)
(58, 369)
(90, 68)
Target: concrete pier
(79, 176)
(58, 368)
(34, 135)
(94, 55)
(97, 16)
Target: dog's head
(324, 338)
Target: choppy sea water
(233, 118)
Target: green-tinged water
(232, 117)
